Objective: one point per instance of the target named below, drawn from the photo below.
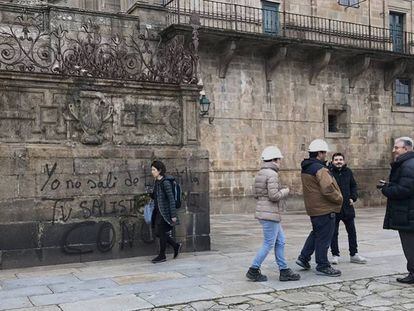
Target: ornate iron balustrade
(26, 47)
(240, 18)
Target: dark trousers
(319, 240)
(164, 234)
(352, 237)
(407, 242)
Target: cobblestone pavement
(380, 294)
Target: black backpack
(176, 189)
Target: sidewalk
(135, 283)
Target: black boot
(288, 275)
(159, 258)
(177, 249)
(255, 275)
(409, 279)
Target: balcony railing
(240, 18)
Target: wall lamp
(205, 107)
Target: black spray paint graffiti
(110, 181)
(103, 236)
(104, 240)
(64, 208)
(87, 236)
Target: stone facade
(271, 90)
(291, 105)
(82, 118)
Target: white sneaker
(335, 260)
(358, 259)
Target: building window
(397, 31)
(337, 120)
(350, 3)
(402, 92)
(270, 11)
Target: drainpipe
(369, 23)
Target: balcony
(289, 27)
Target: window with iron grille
(351, 3)
(402, 92)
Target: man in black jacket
(345, 179)
(400, 200)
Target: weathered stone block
(19, 236)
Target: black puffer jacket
(345, 179)
(400, 194)
(164, 200)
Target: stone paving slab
(83, 285)
(157, 286)
(147, 277)
(43, 308)
(118, 303)
(13, 303)
(35, 281)
(238, 288)
(59, 298)
(47, 272)
(24, 292)
(177, 296)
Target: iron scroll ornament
(145, 57)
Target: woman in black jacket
(164, 216)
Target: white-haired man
(399, 191)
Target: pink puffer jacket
(269, 193)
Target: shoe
(328, 271)
(177, 250)
(303, 263)
(255, 275)
(335, 260)
(288, 275)
(358, 259)
(159, 259)
(409, 279)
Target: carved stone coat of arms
(91, 111)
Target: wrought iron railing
(31, 42)
(246, 19)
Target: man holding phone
(400, 200)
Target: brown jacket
(321, 192)
(269, 193)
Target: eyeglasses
(396, 147)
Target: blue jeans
(319, 240)
(273, 237)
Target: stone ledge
(395, 108)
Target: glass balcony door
(397, 31)
(270, 17)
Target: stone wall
(70, 192)
(88, 101)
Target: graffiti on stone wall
(101, 206)
(109, 208)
